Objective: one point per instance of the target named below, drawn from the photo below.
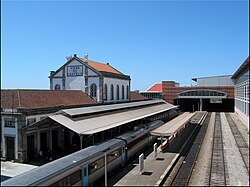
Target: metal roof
(173, 126)
(243, 67)
(105, 122)
(104, 108)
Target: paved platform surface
(9, 169)
(155, 170)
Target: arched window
(111, 92)
(57, 87)
(105, 92)
(127, 92)
(122, 92)
(93, 90)
(117, 92)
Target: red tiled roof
(103, 67)
(30, 99)
(134, 96)
(155, 88)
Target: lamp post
(105, 164)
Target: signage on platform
(215, 100)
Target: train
(86, 166)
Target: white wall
(55, 82)
(59, 74)
(120, 82)
(75, 82)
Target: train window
(96, 165)
(75, 177)
(132, 144)
(113, 155)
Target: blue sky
(149, 40)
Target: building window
(57, 87)
(9, 122)
(127, 92)
(117, 92)
(122, 92)
(93, 90)
(105, 92)
(111, 92)
(31, 121)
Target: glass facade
(242, 92)
(202, 93)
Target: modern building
(154, 92)
(102, 82)
(241, 80)
(22, 108)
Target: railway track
(185, 169)
(217, 175)
(243, 148)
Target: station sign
(73, 71)
(215, 100)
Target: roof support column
(80, 141)
(93, 139)
(200, 104)
(38, 141)
(50, 139)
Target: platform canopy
(173, 126)
(101, 122)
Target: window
(122, 92)
(111, 92)
(117, 92)
(105, 92)
(31, 121)
(57, 87)
(93, 89)
(96, 165)
(9, 122)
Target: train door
(85, 175)
(124, 157)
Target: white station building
(100, 81)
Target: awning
(173, 126)
(97, 124)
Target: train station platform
(155, 170)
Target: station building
(22, 108)
(241, 80)
(102, 82)
(212, 94)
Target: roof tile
(30, 99)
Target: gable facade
(100, 81)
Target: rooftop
(31, 99)
(155, 88)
